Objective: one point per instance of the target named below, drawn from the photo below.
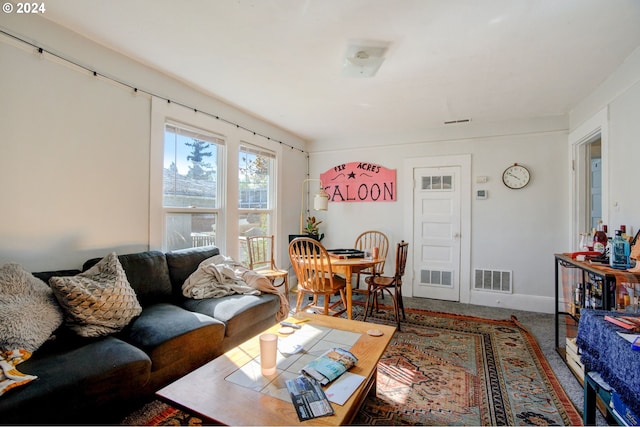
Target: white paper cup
(268, 353)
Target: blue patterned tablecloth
(607, 353)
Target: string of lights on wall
(135, 89)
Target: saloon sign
(360, 182)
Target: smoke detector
(363, 61)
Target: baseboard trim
(533, 303)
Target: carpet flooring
(540, 325)
(449, 369)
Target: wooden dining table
(347, 267)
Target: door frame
(464, 162)
(578, 138)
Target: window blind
(195, 133)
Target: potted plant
(312, 230)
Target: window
(438, 182)
(191, 187)
(255, 193)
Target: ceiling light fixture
(363, 61)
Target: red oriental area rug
(448, 369)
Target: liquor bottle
(619, 257)
(600, 239)
(623, 228)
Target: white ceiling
(281, 60)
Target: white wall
(516, 230)
(75, 149)
(620, 95)
(624, 160)
(74, 164)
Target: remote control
(291, 325)
(288, 348)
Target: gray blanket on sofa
(220, 276)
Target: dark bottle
(600, 239)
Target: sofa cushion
(177, 340)
(162, 322)
(98, 301)
(71, 383)
(29, 312)
(183, 262)
(147, 273)
(238, 312)
(46, 275)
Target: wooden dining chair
(377, 285)
(367, 240)
(261, 260)
(312, 265)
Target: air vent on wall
(436, 277)
(451, 122)
(492, 280)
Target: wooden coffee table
(210, 393)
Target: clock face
(516, 176)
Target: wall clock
(516, 176)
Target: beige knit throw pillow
(99, 301)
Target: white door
(437, 224)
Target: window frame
(219, 141)
(246, 147)
(227, 232)
(579, 140)
(254, 149)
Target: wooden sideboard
(582, 284)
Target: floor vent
(492, 280)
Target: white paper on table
(629, 337)
(343, 387)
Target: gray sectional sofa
(96, 380)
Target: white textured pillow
(99, 301)
(29, 312)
